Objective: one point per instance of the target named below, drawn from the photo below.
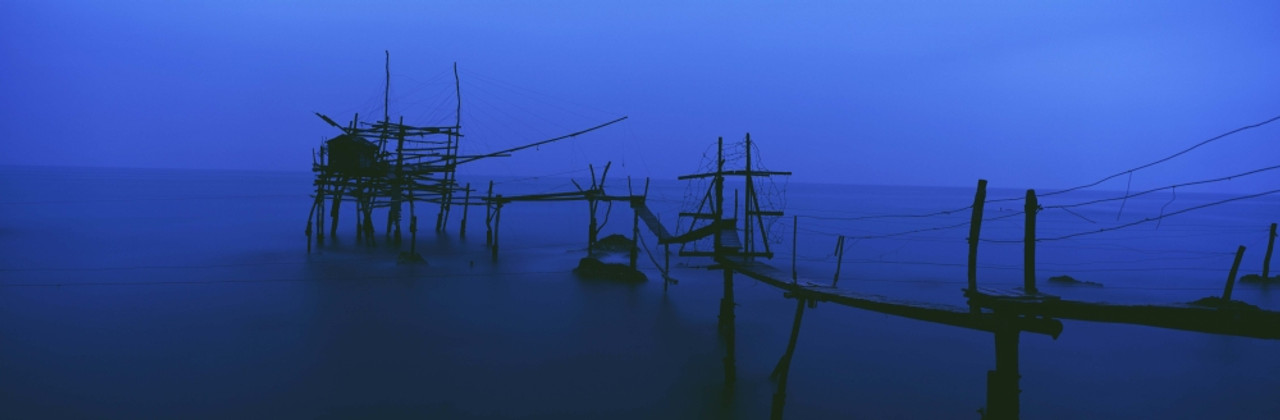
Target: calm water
(158, 293)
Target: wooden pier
(1004, 313)
(385, 164)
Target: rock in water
(591, 267)
(1071, 281)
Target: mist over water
(175, 293)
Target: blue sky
(1025, 94)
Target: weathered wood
(1231, 277)
(651, 220)
(1003, 400)
(1243, 321)
(942, 314)
(783, 368)
(975, 229)
(1029, 243)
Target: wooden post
(400, 184)
(975, 228)
(727, 328)
(359, 202)
(337, 201)
(1002, 383)
(313, 213)
(783, 368)
(488, 216)
(1231, 277)
(368, 221)
(666, 255)
(1266, 260)
(413, 226)
(497, 222)
(1029, 244)
(748, 236)
(635, 237)
(839, 259)
(795, 229)
(466, 205)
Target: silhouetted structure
(385, 164)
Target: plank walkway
(943, 314)
(1036, 312)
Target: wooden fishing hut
(386, 164)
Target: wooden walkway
(943, 314)
(1037, 312)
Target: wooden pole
(839, 259)
(975, 229)
(466, 205)
(1266, 260)
(497, 222)
(747, 227)
(592, 224)
(309, 216)
(413, 226)
(1231, 277)
(400, 184)
(635, 226)
(727, 327)
(783, 368)
(359, 202)
(488, 216)
(795, 229)
(337, 201)
(666, 255)
(1002, 383)
(1029, 244)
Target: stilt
(975, 228)
(488, 216)
(727, 329)
(783, 367)
(839, 259)
(1266, 259)
(1002, 383)
(466, 205)
(666, 255)
(1231, 277)
(497, 222)
(313, 213)
(1029, 244)
(635, 237)
(337, 204)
